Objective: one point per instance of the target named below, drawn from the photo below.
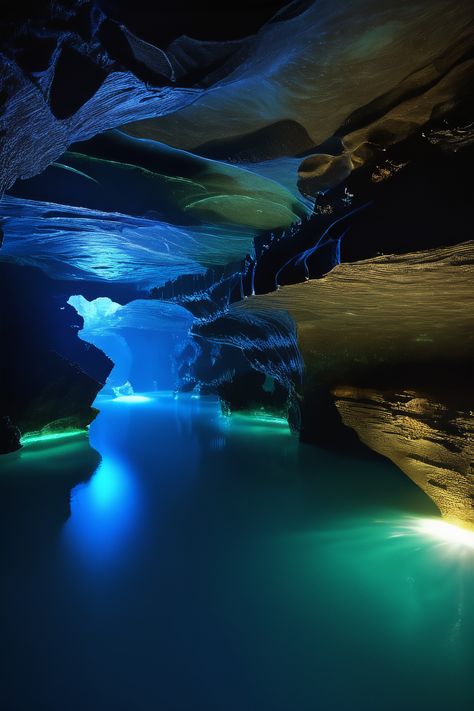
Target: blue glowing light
(103, 512)
(132, 399)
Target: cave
(236, 355)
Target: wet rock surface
(427, 432)
(298, 180)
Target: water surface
(216, 563)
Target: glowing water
(130, 399)
(215, 563)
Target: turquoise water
(216, 563)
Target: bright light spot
(103, 512)
(132, 398)
(33, 437)
(94, 312)
(107, 488)
(447, 533)
(449, 538)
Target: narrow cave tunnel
(236, 338)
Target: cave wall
(298, 183)
(49, 376)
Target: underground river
(210, 562)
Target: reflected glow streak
(132, 398)
(256, 425)
(451, 538)
(451, 535)
(269, 418)
(33, 437)
(103, 512)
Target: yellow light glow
(447, 533)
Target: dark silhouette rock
(9, 435)
(49, 377)
(76, 80)
(283, 138)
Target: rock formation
(288, 194)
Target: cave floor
(209, 562)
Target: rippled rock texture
(429, 434)
(292, 179)
(383, 312)
(330, 68)
(367, 330)
(117, 173)
(72, 71)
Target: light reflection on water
(396, 597)
(104, 512)
(215, 562)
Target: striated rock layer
(428, 434)
(71, 71)
(388, 345)
(381, 312)
(333, 68)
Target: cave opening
(141, 341)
